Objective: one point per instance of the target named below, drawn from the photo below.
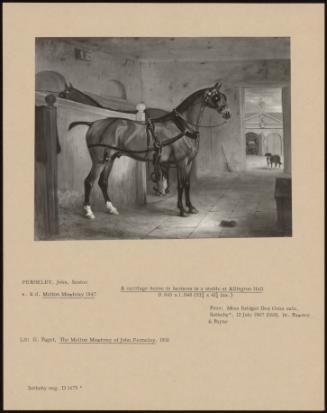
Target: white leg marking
(111, 209)
(88, 212)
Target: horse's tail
(73, 124)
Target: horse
(71, 93)
(110, 138)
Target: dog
(273, 160)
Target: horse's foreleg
(191, 208)
(103, 184)
(88, 185)
(180, 190)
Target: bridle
(204, 104)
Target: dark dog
(275, 161)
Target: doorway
(263, 127)
(252, 143)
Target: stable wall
(167, 83)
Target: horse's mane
(189, 100)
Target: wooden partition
(46, 149)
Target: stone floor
(246, 198)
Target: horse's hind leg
(103, 184)
(168, 181)
(191, 208)
(88, 185)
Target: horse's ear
(217, 85)
(70, 85)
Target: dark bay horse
(111, 137)
(71, 93)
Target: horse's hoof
(183, 214)
(111, 209)
(193, 210)
(88, 213)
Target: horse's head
(215, 99)
(76, 95)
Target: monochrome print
(162, 138)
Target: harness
(157, 145)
